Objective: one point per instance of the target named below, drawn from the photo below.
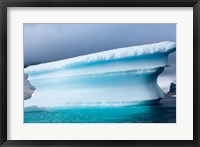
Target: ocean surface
(164, 112)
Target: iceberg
(123, 76)
(28, 88)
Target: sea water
(163, 112)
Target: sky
(51, 42)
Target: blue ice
(124, 76)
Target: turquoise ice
(118, 77)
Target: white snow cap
(147, 49)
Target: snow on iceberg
(123, 76)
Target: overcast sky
(51, 42)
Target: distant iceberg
(28, 88)
(124, 76)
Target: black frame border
(4, 4)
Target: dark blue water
(164, 112)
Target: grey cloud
(50, 42)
